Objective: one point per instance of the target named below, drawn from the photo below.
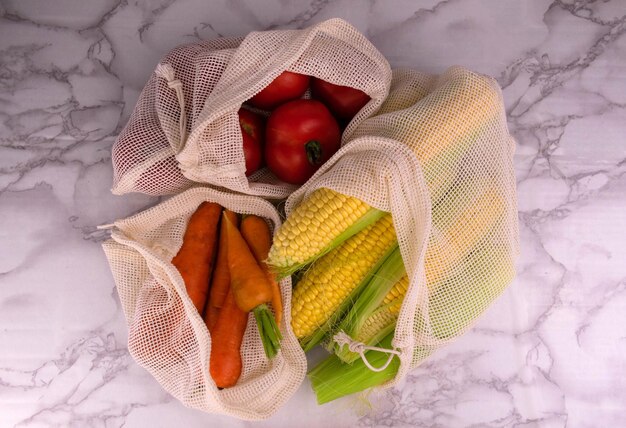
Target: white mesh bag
(185, 127)
(169, 338)
(144, 154)
(438, 156)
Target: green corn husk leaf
(332, 378)
(369, 300)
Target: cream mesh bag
(169, 338)
(438, 156)
(185, 127)
(144, 154)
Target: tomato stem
(313, 150)
(247, 128)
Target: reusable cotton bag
(167, 335)
(437, 155)
(185, 127)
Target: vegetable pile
(221, 261)
(343, 254)
(384, 202)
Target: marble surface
(549, 353)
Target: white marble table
(549, 353)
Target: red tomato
(301, 135)
(287, 86)
(343, 101)
(252, 131)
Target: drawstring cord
(166, 72)
(342, 338)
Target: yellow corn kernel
(312, 226)
(331, 279)
(397, 291)
(380, 319)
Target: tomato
(252, 132)
(343, 101)
(300, 136)
(287, 86)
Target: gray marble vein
(550, 351)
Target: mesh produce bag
(167, 335)
(185, 127)
(438, 156)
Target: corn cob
(456, 304)
(442, 126)
(381, 321)
(440, 129)
(461, 231)
(375, 311)
(334, 280)
(390, 272)
(369, 320)
(320, 223)
(485, 277)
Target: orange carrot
(211, 315)
(220, 283)
(257, 234)
(251, 287)
(195, 258)
(225, 363)
(248, 281)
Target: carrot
(225, 363)
(257, 234)
(195, 258)
(220, 283)
(211, 314)
(251, 287)
(248, 281)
